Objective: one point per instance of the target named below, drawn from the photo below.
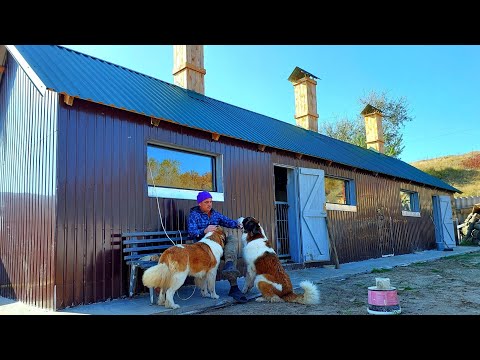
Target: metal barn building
(79, 137)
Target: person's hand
(240, 222)
(210, 228)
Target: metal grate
(281, 230)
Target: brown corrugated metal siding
(102, 191)
(377, 227)
(27, 189)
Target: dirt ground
(448, 286)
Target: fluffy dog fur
(265, 271)
(200, 260)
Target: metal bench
(143, 249)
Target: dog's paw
(214, 296)
(205, 293)
(171, 305)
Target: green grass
(420, 264)
(471, 255)
(375, 270)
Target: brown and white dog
(265, 271)
(200, 260)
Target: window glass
(410, 201)
(406, 200)
(336, 191)
(180, 169)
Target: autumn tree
(395, 112)
(167, 173)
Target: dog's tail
(311, 294)
(157, 276)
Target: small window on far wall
(175, 173)
(410, 203)
(340, 192)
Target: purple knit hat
(202, 195)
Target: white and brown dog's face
(252, 228)
(250, 224)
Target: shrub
(472, 162)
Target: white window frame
(184, 194)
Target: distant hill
(460, 171)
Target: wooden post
(332, 245)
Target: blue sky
(440, 82)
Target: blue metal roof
(89, 78)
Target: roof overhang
(28, 70)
